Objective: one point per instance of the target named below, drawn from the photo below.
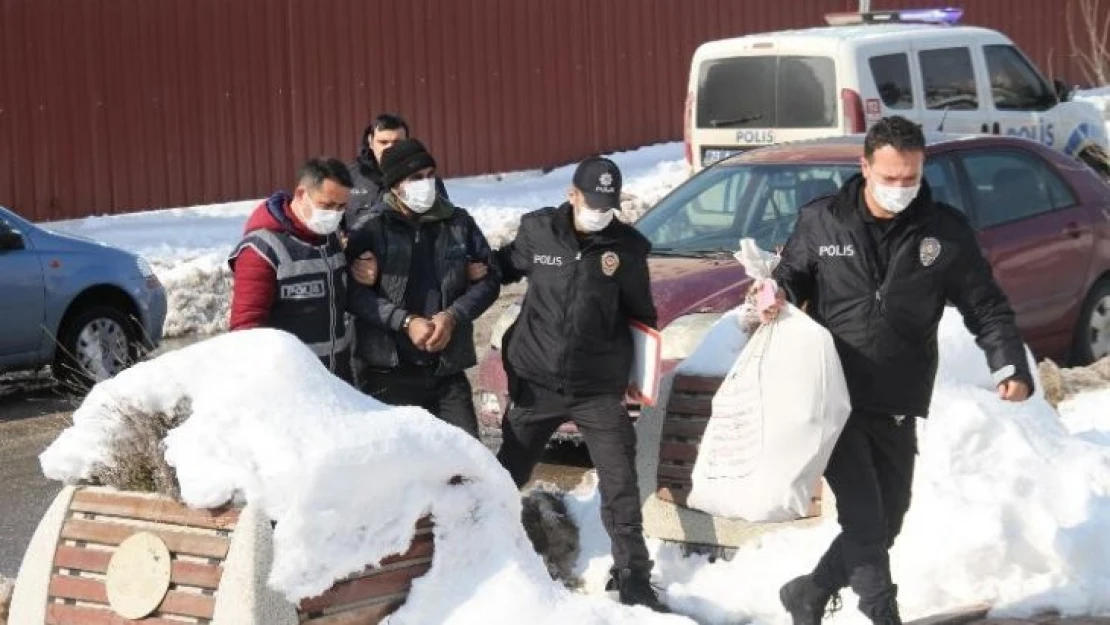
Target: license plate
(712, 155)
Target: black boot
(806, 601)
(882, 609)
(634, 588)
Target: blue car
(87, 309)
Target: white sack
(775, 419)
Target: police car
(769, 88)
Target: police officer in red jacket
(289, 269)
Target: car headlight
(683, 335)
(502, 325)
(145, 270)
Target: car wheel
(1092, 334)
(94, 345)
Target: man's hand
(420, 332)
(1013, 390)
(443, 328)
(768, 310)
(365, 269)
(477, 271)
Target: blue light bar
(947, 16)
(933, 16)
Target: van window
(892, 79)
(767, 92)
(1015, 85)
(949, 79)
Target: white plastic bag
(775, 418)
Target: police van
(761, 89)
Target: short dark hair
(895, 131)
(315, 171)
(389, 121)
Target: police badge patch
(930, 251)
(609, 263)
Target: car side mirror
(10, 239)
(1063, 91)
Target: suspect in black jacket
(366, 172)
(414, 336)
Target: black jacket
(572, 333)
(380, 311)
(368, 190)
(885, 326)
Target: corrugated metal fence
(116, 105)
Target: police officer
(569, 353)
(876, 263)
(289, 268)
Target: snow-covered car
(838, 79)
(1043, 221)
(87, 309)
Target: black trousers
(537, 412)
(447, 397)
(871, 474)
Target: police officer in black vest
(415, 329)
(569, 354)
(877, 262)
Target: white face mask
(322, 222)
(892, 198)
(590, 220)
(419, 195)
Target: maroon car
(1043, 220)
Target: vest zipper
(331, 305)
(568, 317)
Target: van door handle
(984, 128)
(997, 128)
(1073, 230)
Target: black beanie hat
(403, 159)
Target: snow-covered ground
(188, 247)
(1011, 501)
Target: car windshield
(713, 211)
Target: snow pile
(188, 247)
(1086, 417)
(292, 439)
(1011, 507)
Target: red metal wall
(116, 105)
